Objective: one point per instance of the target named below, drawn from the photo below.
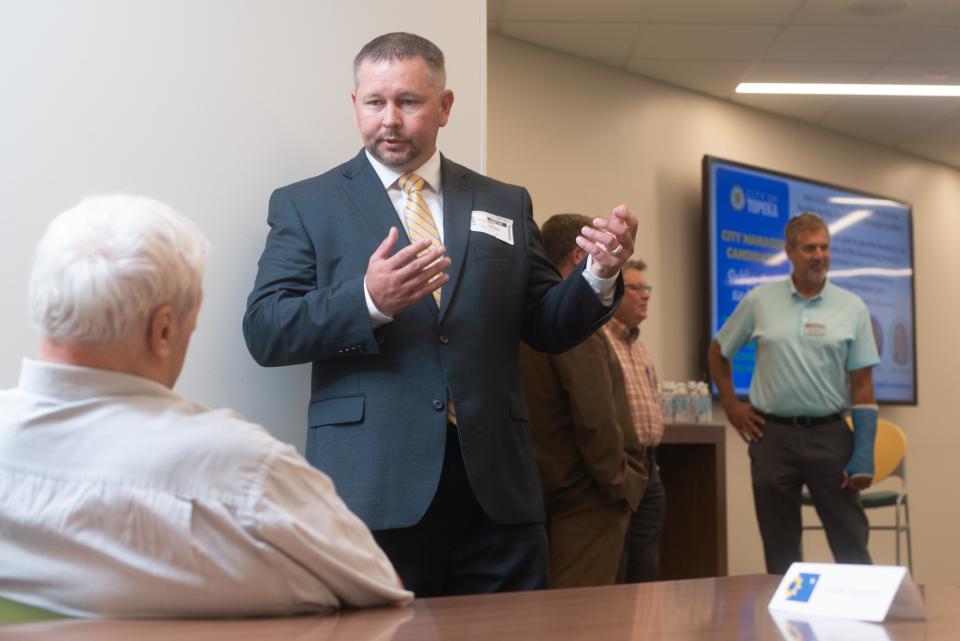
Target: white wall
(208, 105)
(583, 137)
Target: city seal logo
(737, 198)
(801, 587)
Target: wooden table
(692, 461)
(720, 609)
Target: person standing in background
(815, 354)
(642, 548)
(588, 455)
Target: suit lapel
(364, 188)
(457, 205)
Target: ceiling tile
(887, 120)
(850, 44)
(949, 13)
(809, 108)
(915, 13)
(703, 42)
(717, 78)
(709, 45)
(598, 10)
(598, 41)
(725, 12)
(933, 45)
(811, 72)
(917, 73)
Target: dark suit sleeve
(559, 313)
(291, 317)
(600, 416)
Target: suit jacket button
(443, 339)
(437, 404)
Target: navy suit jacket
(377, 416)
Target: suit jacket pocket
(338, 410)
(485, 247)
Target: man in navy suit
(408, 282)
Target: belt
(801, 421)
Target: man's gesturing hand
(397, 282)
(610, 241)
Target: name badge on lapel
(497, 226)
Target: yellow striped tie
(419, 221)
(421, 226)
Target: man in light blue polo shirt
(815, 354)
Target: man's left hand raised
(610, 241)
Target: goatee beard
(411, 153)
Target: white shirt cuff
(377, 318)
(605, 288)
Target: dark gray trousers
(782, 462)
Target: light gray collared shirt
(120, 498)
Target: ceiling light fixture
(840, 89)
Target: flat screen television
(745, 211)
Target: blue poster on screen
(871, 255)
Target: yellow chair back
(888, 450)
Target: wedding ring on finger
(616, 251)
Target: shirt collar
(429, 171)
(798, 295)
(624, 333)
(75, 383)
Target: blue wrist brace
(864, 435)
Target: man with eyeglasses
(642, 549)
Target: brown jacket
(586, 449)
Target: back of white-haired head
(105, 265)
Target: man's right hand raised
(396, 282)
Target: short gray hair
(400, 45)
(802, 222)
(105, 265)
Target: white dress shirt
(432, 194)
(120, 498)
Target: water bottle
(666, 401)
(706, 403)
(681, 403)
(694, 403)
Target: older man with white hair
(119, 497)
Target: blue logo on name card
(801, 587)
